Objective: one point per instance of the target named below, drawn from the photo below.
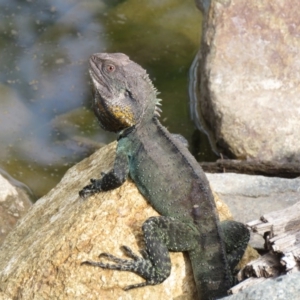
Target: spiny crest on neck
(157, 109)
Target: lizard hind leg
(161, 234)
(236, 238)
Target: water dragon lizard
(169, 177)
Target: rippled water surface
(45, 117)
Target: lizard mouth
(93, 66)
(95, 72)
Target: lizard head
(123, 93)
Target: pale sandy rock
(249, 74)
(41, 258)
(14, 204)
(249, 197)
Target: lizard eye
(110, 68)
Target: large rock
(249, 77)
(41, 258)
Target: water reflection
(45, 118)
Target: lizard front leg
(113, 178)
(161, 234)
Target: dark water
(45, 117)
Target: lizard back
(172, 180)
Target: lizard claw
(130, 253)
(91, 189)
(126, 250)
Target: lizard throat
(113, 118)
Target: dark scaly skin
(170, 179)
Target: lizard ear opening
(129, 95)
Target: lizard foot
(139, 265)
(91, 189)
